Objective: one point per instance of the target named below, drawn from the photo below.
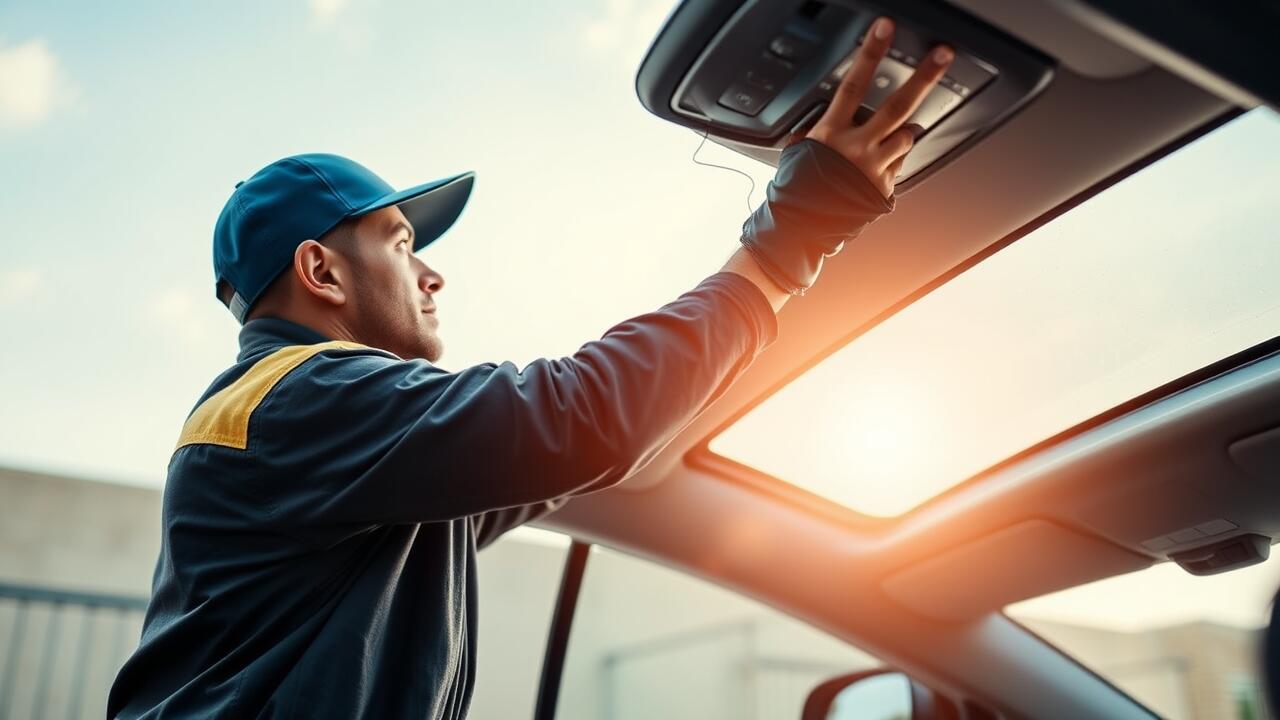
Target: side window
(650, 642)
(519, 578)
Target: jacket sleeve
(390, 440)
(489, 526)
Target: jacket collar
(266, 334)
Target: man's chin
(432, 350)
(415, 348)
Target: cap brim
(431, 208)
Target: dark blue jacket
(325, 502)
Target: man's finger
(895, 169)
(896, 146)
(902, 103)
(853, 87)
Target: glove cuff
(816, 202)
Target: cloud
(18, 285)
(32, 84)
(326, 11)
(345, 27)
(626, 27)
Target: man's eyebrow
(401, 225)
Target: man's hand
(836, 179)
(878, 146)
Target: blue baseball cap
(305, 196)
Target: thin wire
(750, 208)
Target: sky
(123, 130)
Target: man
(329, 491)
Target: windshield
(1169, 270)
(1183, 645)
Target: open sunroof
(1162, 274)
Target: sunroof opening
(1168, 271)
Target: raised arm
(424, 444)
(404, 441)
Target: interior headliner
(828, 565)
(1060, 34)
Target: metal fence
(60, 650)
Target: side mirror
(881, 694)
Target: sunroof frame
(702, 457)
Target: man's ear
(322, 272)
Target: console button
(790, 47)
(936, 105)
(888, 77)
(745, 99)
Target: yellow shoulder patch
(223, 419)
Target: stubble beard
(404, 338)
(432, 347)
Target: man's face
(392, 304)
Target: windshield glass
(1167, 271)
(1183, 645)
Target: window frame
(557, 647)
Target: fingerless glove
(816, 202)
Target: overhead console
(748, 72)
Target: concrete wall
(70, 533)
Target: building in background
(1195, 670)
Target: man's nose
(430, 281)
